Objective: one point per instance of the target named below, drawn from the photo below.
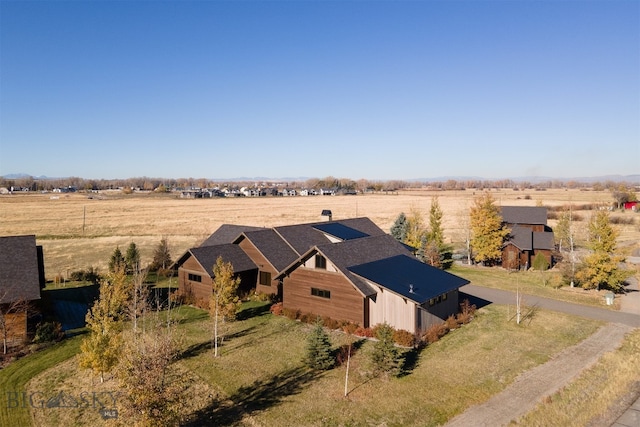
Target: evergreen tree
(132, 258)
(116, 262)
(399, 228)
(318, 354)
(161, 256)
(385, 356)
(436, 232)
(488, 232)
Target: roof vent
(410, 289)
(327, 213)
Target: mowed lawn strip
(261, 379)
(14, 379)
(262, 373)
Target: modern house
(21, 279)
(348, 270)
(530, 235)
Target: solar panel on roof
(340, 231)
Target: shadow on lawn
(248, 313)
(260, 395)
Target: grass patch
(260, 378)
(596, 394)
(14, 378)
(529, 282)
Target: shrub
(48, 332)
(291, 314)
(342, 354)
(451, 322)
(435, 332)
(330, 323)
(308, 317)
(467, 310)
(404, 338)
(276, 309)
(363, 332)
(349, 328)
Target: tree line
(621, 190)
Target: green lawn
(14, 379)
(529, 282)
(260, 378)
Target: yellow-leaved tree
(488, 231)
(224, 302)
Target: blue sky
(359, 89)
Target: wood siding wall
(16, 326)
(263, 265)
(392, 309)
(200, 291)
(438, 313)
(346, 303)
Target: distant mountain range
(532, 179)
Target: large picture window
(322, 293)
(265, 278)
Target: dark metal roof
(409, 277)
(272, 247)
(227, 233)
(524, 214)
(340, 231)
(19, 269)
(207, 256)
(359, 251)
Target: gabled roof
(354, 252)
(19, 269)
(227, 233)
(524, 215)
(543, 240)
(271, 246)
(302, 237)
(525, 239)
(521, 237)
(408, 277)
(208, 255)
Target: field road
(544, 380)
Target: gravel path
(533, 385)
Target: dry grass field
(79, 230)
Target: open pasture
(80, 230)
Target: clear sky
(358, 89)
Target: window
(321, 262)
(444, 297)
(265, 278)
(195, 277)
(322, 293)
(432, 301)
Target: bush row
(400, 336)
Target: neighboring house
(347, 269)
(530, 235)
(21, 279)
